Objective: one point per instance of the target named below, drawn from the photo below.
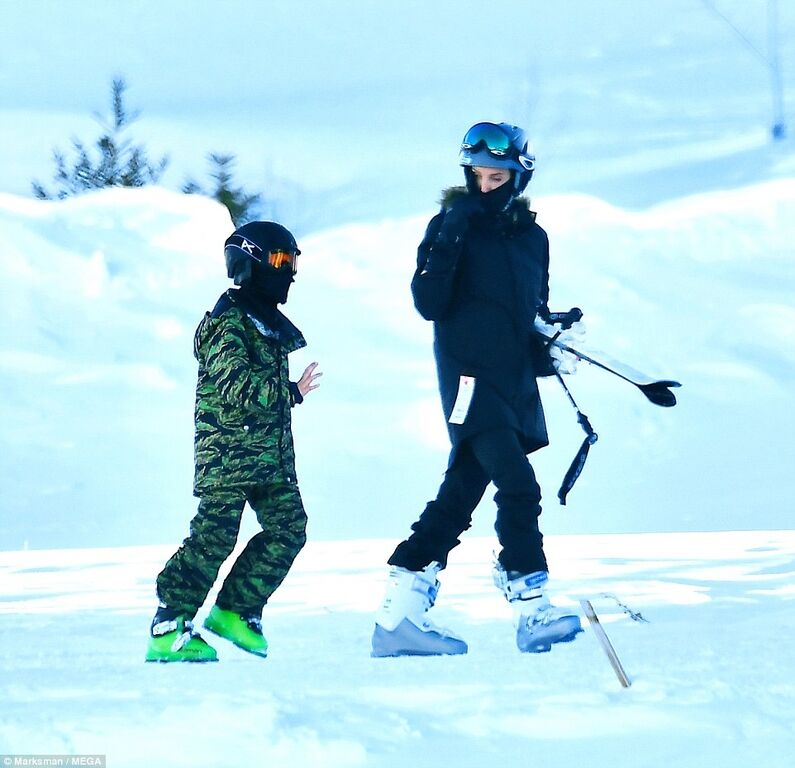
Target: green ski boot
(172, 639)
(244, 631)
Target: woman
(482, 278)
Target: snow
(710, 671)
(671, 218)
(99, 373)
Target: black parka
(483, 293)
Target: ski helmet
(249, 247)
(498, 145)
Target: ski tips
(658, 392)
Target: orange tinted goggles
(282, 259)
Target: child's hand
(308, 380)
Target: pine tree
(119, 163)
(242, 206)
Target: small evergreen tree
(120, 163)
(242, 206)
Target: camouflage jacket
(243, 400)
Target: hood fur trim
(452, 193)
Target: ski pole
(591, 437)
(579, 460)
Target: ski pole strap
(579, 460)
(575, 468)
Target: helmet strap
(471, 181)
(520, 181)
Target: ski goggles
(279, 259)
(496, 142)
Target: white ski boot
(402, 627)
(538, 624)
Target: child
(244, 453)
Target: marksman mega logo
(96, 761)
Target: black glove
(457, 217)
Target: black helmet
(251, 244)
(499, 145)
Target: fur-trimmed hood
(452, 193)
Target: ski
(656, 391)
(604, 641)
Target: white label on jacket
(466, 388)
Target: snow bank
(102, 294)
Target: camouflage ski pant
(191, 572)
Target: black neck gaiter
(497, 200)
(261, 295)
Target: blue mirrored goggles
(497, 143)
(490, 137)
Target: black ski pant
(494, 456)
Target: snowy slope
(102, 293)
(711, 671)
(351, 114)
